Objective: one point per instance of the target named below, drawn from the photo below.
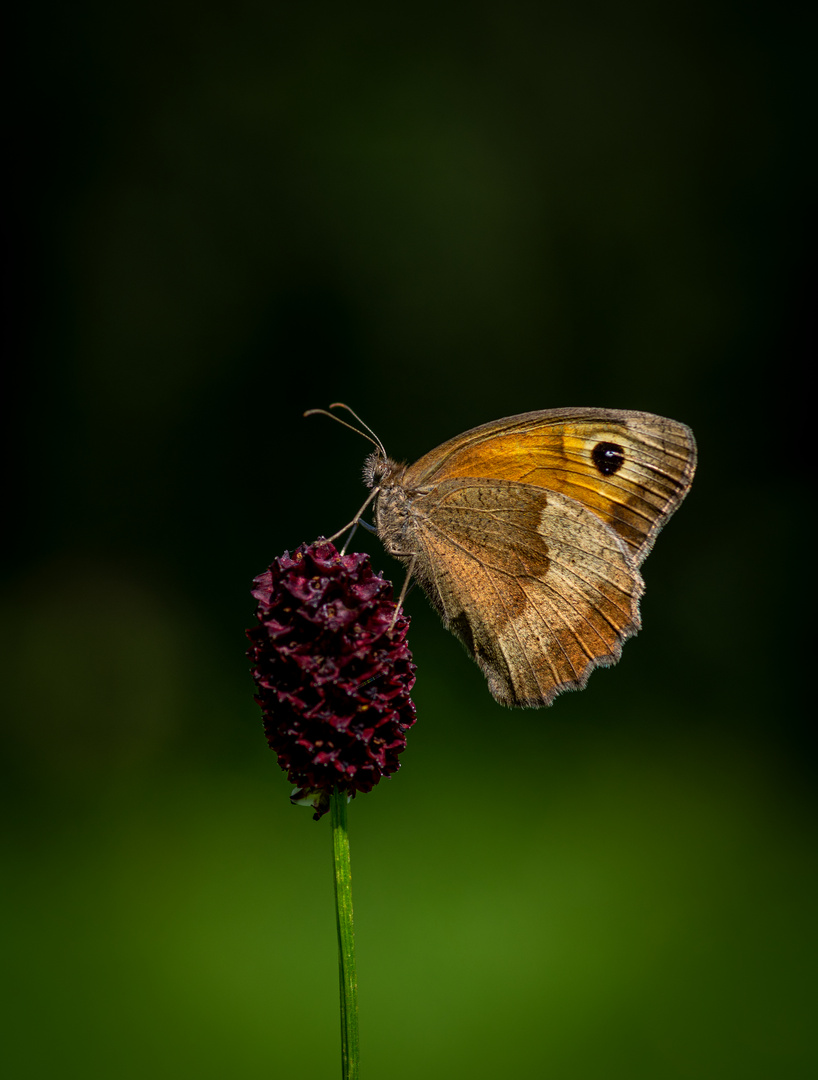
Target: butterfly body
(527, 535)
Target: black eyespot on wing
(608, 458)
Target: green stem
(346, 941)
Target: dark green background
(440, 214)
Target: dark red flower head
(332, 670)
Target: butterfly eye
(608, 458)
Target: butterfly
(527, 535)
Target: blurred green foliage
(441, 215)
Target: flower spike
(333, 671)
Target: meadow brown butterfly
(527, 535)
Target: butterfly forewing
(631, 469)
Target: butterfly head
(381, 471)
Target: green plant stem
(346, 940)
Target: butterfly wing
(630, 469)
(534, 584)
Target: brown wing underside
(534, 584)
(555, 449)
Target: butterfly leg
(356, 521)
(354, 526)
(407, 581)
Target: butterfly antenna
(372, 437)
(341, 405)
